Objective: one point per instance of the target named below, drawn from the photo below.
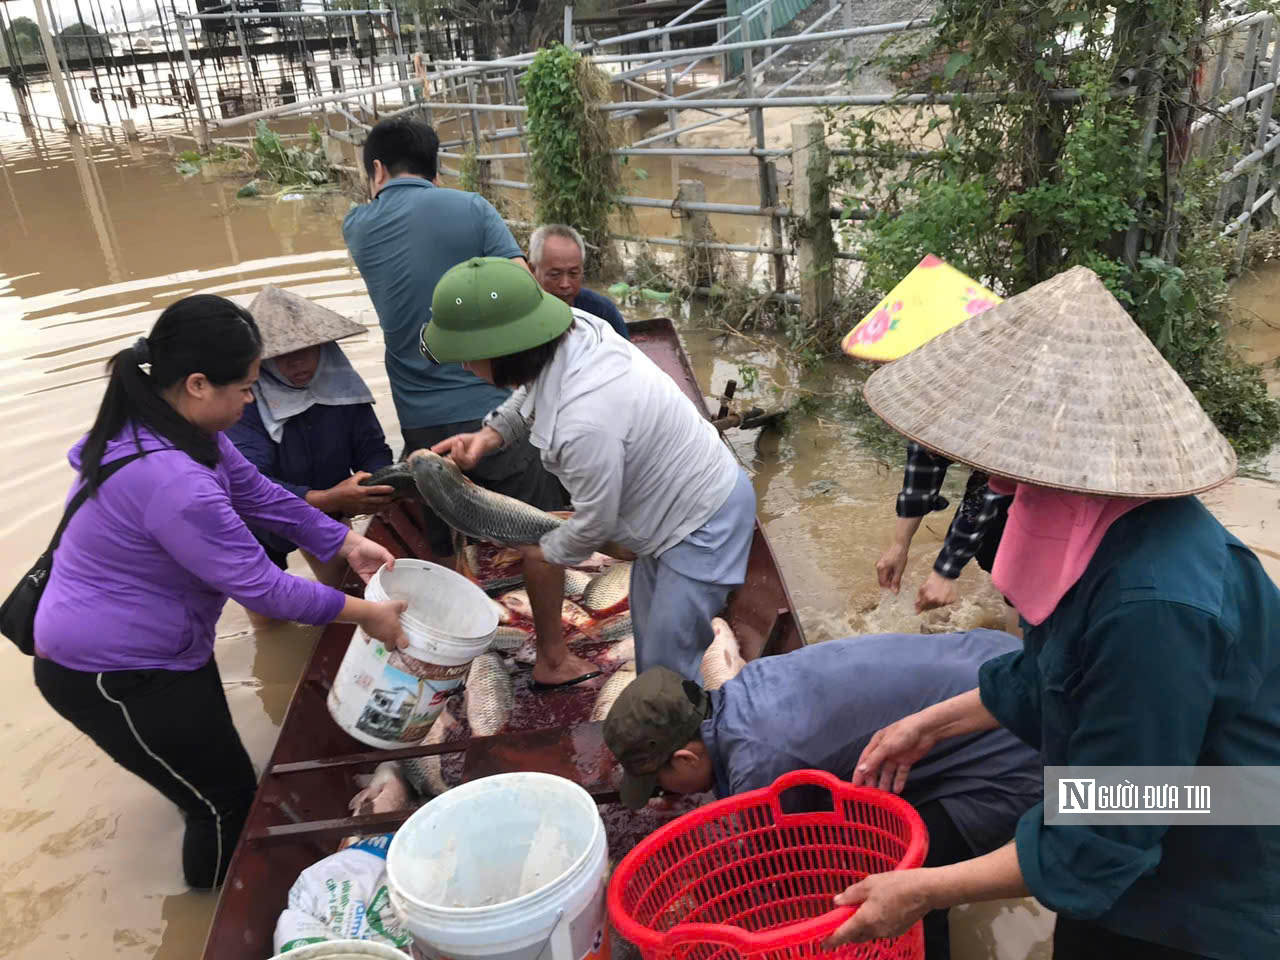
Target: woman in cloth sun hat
(1151, 635)
(311, 427)
(643, 466)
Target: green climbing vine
(574, 178)
(1067, 142)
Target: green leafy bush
(574, 178)
(1015, 190)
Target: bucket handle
(566, 947)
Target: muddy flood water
(95, 239)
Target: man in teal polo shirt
(403, 241)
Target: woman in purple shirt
(124, 632)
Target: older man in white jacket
(644, 468)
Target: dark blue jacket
(1166, 652)
(321, 447)
(597, 304)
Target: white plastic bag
(343, 897)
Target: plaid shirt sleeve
(968, 526)
(921, 481)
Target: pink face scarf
(1048, 542)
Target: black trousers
(173, 729)
(516, 471)
(1081, 940)
(946, 845)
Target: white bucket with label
(389, 699)
(508, 867)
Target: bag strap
(104, 474)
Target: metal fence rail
(347, 69)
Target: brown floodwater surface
(96, 238)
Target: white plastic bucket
(508, 867)
(389, 699)
(343, 950)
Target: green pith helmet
(490, 307)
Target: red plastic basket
(739, 878)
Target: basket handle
(744, 941)
(804, 778)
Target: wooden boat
(300, 811)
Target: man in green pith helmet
(643, 466)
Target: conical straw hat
(289, 322)
(933, 297)
(1058, 387)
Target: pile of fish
(496, 697)
(596, 620)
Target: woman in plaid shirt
(974, 532)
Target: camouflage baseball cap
(490, 307)
(656, 715)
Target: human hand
(890, 566)
(380, 620)
(348, 497)
(466, 449)
(888, 904)
(364, 556)
(936, 591)
(888, 756)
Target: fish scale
(611, 690)
(490, 695)
(471, 509)
(424, 773)
(608, 589)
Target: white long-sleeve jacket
(643, 466)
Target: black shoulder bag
(18, 613)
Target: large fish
(575, 582)
(510, 638)
(424, 773)
(620, 653)
(611, 690)
(490, 696)
(723, 659)
(472, 510)
(609, 588)
(384, 792)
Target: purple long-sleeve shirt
(146, 565)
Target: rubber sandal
(537, 687)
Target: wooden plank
(332, 830)
(372, 756)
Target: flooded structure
(101, 233)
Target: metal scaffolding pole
(55, 69)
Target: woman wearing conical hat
(311, 427)
(1151, 635)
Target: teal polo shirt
(1166, 652)
(403, 242)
